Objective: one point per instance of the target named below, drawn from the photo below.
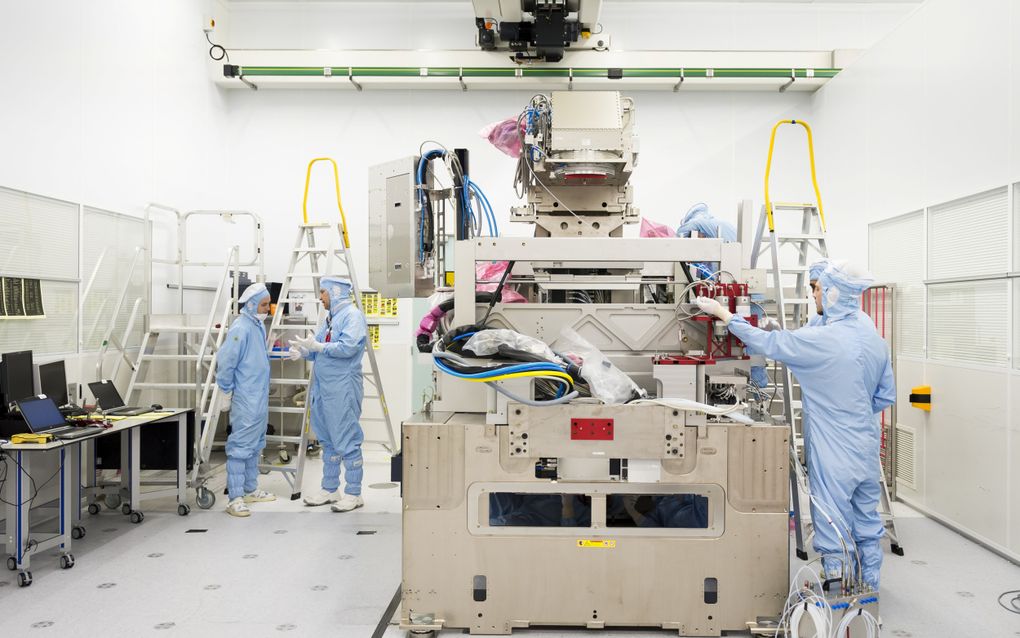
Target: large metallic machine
(524, 507)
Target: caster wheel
(66, 561)
(284, 456)
(12, 564)
(24, 579)
(77, 532)
(183, 510)
(112, 501)
(125, 509)
(137, 517)
(93, 508)
(313, 450)
(205, 498)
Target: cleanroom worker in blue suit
(242, 374)
(336, 393)
(846, 379)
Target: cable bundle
(450, 357)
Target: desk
(18, 542)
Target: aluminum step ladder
(320, 250)
(793, 247)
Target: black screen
(41, 414)
(53, 381)
(17, 375)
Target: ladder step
(181, 330)
(314, 300)
(316, 225)
(279, 438)
(288, 381)
(792, 206)
(169, 357)
(152, 385)
(312, 250)
(279, 409)
(798, 238)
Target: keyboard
(74, 432)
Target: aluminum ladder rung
(281, 409)
(800, 238)
(279, 438)
(154, 385)
(288, 381)
(168, 357)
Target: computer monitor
(16, 379)
(106, 394)
(40, 413)
(53, 382)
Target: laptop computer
(42, 417)
(110, 402)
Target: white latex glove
(295, 353)
(307, 343)
(225, 401)
(771, 325)
(712, 307)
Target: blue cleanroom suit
(338, 388)
(846, 378)
(242, 370)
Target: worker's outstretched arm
(804, 346)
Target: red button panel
(591, 429)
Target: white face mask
(262, 316)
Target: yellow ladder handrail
(336, 180)
(814, 177)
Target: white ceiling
(663, 1)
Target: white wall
(928, 115)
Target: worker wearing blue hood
(242, 374)
(336, 393)
(846, 379)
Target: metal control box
(394, 230)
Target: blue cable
(490, 218)
(526, 367)
(423, 198)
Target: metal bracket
(570, 81)
(676, 87)
(460, 78)
(350, 76)
(251, 85)
(789, 83)
(327, 71)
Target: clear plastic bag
(607, 382)
(505, 136)
(485, 343)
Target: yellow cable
(339, 204)
(814, 176)
(519, 375)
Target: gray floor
(309, 572)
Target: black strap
(920, 398)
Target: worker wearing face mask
(242, 374)
(846, 379)
(336, 393)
